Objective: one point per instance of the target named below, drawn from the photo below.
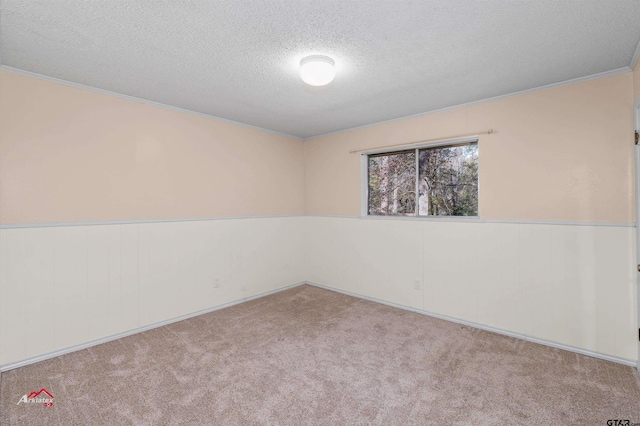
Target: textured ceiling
(238, 59)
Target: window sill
(476, 219)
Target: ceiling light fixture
(317, 70)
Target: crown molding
(481, 101)
(634, 58)
(350, 129)
(143, 101)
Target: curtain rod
(408, 145)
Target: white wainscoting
(64, 286)
(568, 284)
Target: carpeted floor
(312, 356)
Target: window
(392, 184)
(430, 181)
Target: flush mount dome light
(317, 70)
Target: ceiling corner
(634, 59)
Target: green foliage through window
(447, 182)
(392, 184)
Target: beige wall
(68, 154)
(564, 153)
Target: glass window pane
(448, 183)
(392, 184)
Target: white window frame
(364, 179)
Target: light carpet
(313, 356)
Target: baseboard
(100, 341)
(545, 342)
(549, 343)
